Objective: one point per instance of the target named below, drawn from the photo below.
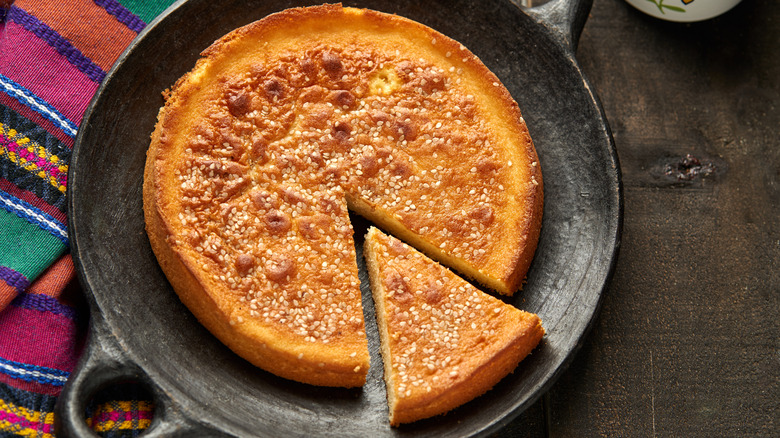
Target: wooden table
(687, 343)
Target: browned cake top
(313, 118)
(394, 132)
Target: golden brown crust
(286, 121)
(443, 341)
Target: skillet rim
(95, 307)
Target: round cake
(285, 124)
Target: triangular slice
(444, 342)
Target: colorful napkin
(53, 56)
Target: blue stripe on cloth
(14, 279)
(44, 303)
(33, 373)
(122, 14)
(60, 44)
(34, 216)
(40, 106)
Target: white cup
(683, 10)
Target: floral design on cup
(662, 6)
(683, 10)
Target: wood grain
(687, 340)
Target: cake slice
(444, 342)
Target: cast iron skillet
(141, 331)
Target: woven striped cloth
(53, 57)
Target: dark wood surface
(687, 343)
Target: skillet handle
(563, 18)
(103, 363)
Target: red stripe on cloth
(32, 199)
(35, 387)
(36, 118)
(54, 39)
(90, 28)
(50, 76)
(39, 338)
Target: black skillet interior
(140, 329)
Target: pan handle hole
(124, 408)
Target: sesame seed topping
(261, 191)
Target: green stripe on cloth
(27, 249)
(146, 10)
